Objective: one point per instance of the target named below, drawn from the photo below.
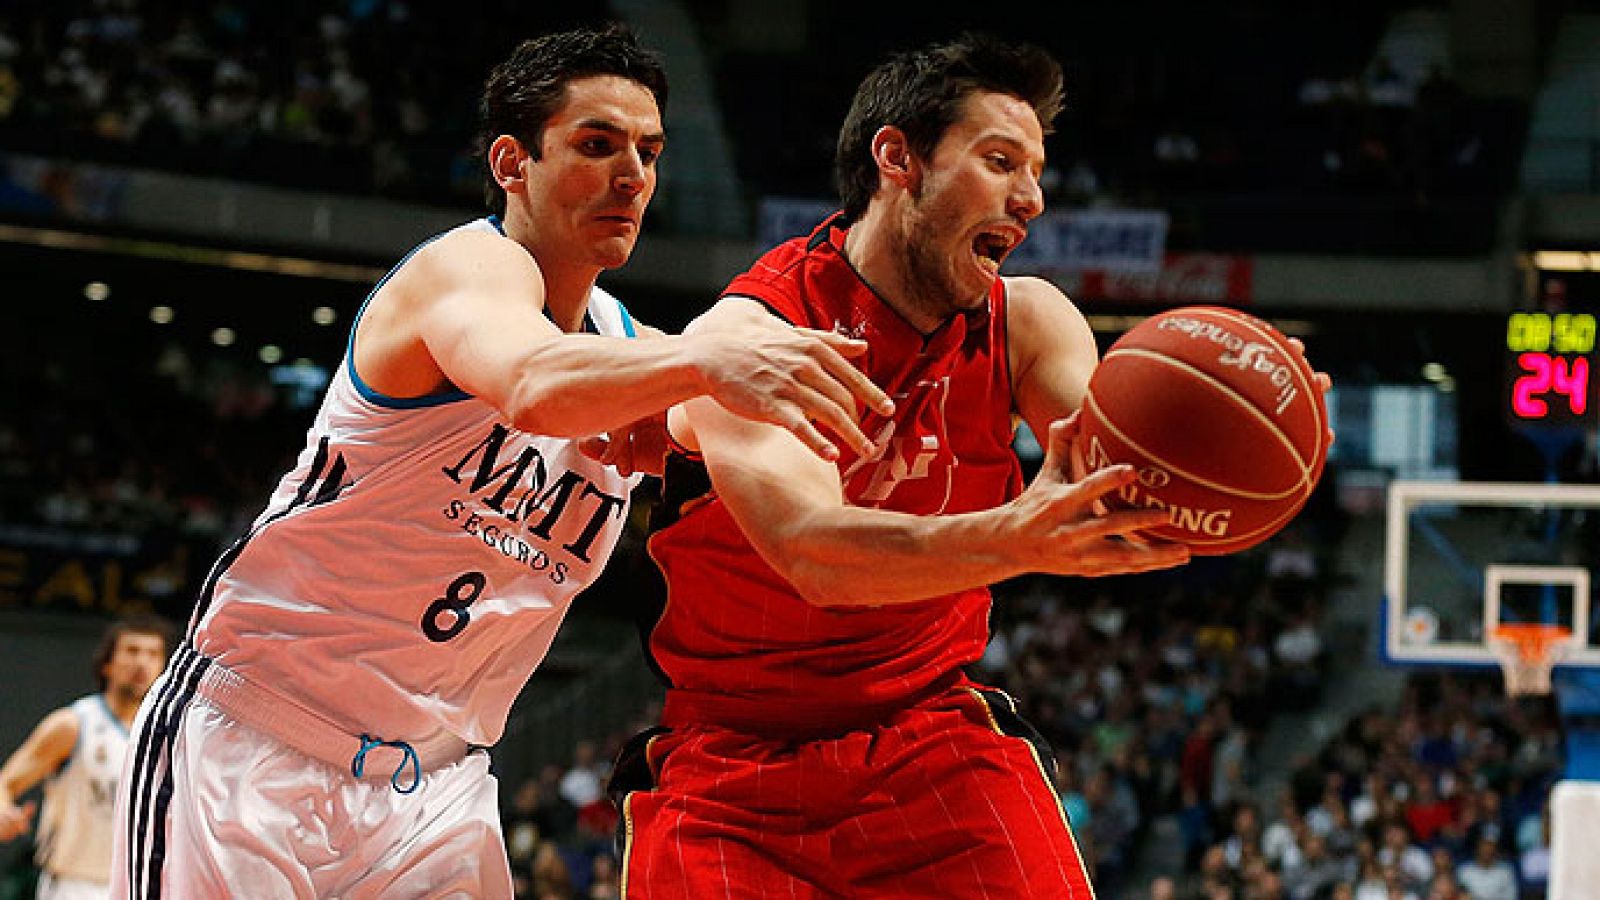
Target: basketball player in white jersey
(321, 730)
(77, 752)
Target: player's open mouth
(992, 248)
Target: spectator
(1315, 871)
(1426, 812)
(1285, 833)
(1487, 875)
(604, 883)
(581, 785)
(1402, 855)
(521, 826)
(1372, 885)
(552, 880)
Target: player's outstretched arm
(448, 318)
(791, 506)
(45, 750)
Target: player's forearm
(17, 777)
(582, 385)
(848, 556)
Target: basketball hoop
(1527, 652)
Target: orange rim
(1533, 640)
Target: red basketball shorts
(946, 799)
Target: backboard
(1463, 557)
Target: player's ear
(505, 158)
(891, 150)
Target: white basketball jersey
(80, 800)
(410, 573)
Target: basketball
(1221, 418)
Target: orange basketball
(1221, 418)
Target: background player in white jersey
(77, 752)
(317, 732)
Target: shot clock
(1550, 368)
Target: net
(1527, 652)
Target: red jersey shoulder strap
(778, 278)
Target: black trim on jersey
(317, 462)
(825, 231)
(330, 488)
(773, 309)
(647, 615)
(153, 751)
(1012, 724)
(158, 838)
(631, 773)
(145, 765)
(333, 484)
(684, 483)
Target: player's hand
(16, 820)
(1067, 529)
(640, 447)
(797, 378)
(1324, 380)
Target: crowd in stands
(309, 94)
(560, 828)
(191, 463)
(1155, 690)
(1230, 115)
(1443, 798)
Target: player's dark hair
(523, 92)
(922, 93)
(137, 624)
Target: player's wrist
(701, 362)
(993, 536)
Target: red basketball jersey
(738, 645)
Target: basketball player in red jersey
(819, 738)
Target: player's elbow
(818, 582)
(818, 560)
(816, 586)
(535, 406)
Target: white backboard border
(1405, 496)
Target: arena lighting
(223, 337)
(96, 291)
(1434, 372)
(270, 354)
(161, 315)
(323, 315)
(1566, 261)
(56, 239)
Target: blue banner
(1132, 241)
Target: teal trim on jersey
(378, 398)
(627, 320)
(365, 390)
(109, 714)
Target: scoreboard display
(1550, 368)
